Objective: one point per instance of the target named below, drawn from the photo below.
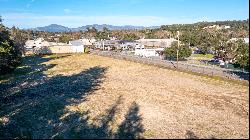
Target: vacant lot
(87, 96)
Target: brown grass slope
(88, 96)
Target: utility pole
(177, 47)
(103, 45)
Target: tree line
(191, 35)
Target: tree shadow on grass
(31, 64)
(190, 135)
(35, 109)
(38, 108)
(28, 74)
(76, 125)
(131, 127)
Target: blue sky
(75, 13)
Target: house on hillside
(217, 27)
(245, 40)
(227, 27)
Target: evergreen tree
(10, 54)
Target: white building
(87, 42)
(217, 27)
(162, 43)
(40, 42)
(246, 40)
(37, 43)
(129, 45)
(29, 44)
(227, 27)
(142, 51)
(78, 45)
(107, 44)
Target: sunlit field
(89, 96)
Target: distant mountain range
(60, 28)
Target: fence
(210, 71)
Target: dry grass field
(88, 96)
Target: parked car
(214, 61)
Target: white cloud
(66, 11)
(27, 20)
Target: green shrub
(10, 55)
(184, 51)
(86, 50)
